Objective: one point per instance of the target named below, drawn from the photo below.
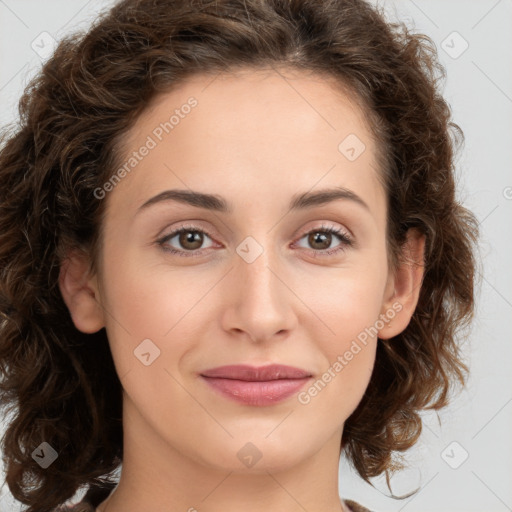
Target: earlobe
(80, 293)
(404, 286)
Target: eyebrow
(217, 203)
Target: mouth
(256, 386)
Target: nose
(260, 301)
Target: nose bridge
(256, 269)
(262, 297)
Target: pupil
(317, 235)
(191, 237)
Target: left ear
(404, 285)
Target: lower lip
(254, 392)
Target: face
(256, 277)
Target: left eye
(191, 239)
(323, 237)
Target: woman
(304, 152)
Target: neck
(157, 476)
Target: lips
(252, 373)
(258, 386)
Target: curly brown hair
(61, 384)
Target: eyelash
(341, 234)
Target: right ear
(80, 293)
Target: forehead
(250, 131)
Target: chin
(256, 456)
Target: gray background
(477, 424)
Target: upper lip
(253, 373)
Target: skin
(257, 138)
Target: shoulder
(92, 499)
(87, 507)
(355, 507)
(79, 507)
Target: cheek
(349, 306)
(143, 303)
(348, 302)
(149, 298)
